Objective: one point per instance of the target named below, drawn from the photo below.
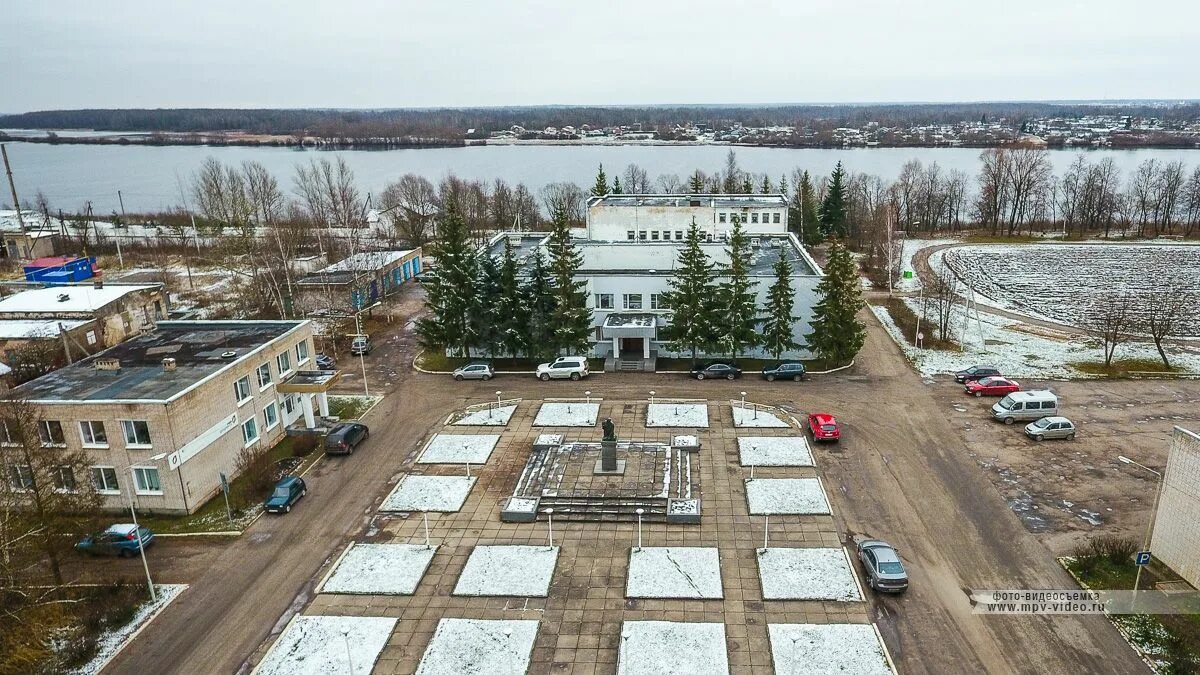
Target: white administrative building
(1176, 538)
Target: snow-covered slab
(794, 496)
(669, 647)
(328, 645)
(674, 572)
(488, 417)
(521, 571)
(109, 644)
(380, 569)
(807, 574)
(757, 418)
(774, 451)
(827, 649)
(479, 647)
(567, 415)
(677, 415)
(459, 449)
(429, 493)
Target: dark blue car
(122, 539)
(287, 492)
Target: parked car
(476, 370)
(1051, 427)
(788, 370)
(717, 369)
(1025, 405)
(122, 539)
(343, 438)
(824, 427)
(287, 492)
(360, 345)
(991, 386)
(326, 362)
(573, 367)
(881, 562)
(976, 373)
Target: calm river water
(150, 177)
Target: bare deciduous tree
(1108, 317)
(636, 181)
(1163, 309)
(412, 205)
(568, 197)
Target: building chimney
(107, 364)
(98, 284)
(168, 364)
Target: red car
(992, 386)
(824, 427)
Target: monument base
(619, 471)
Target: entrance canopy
(630, 325)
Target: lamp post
(498, 400)
(425, 518)
(652, 396)
(639, 513)
(588, 394)
(137, 531)
(1137, 580)
(550, 524)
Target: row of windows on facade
(104, 479)
(630, 301)
(283, 364)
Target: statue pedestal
(608, 464)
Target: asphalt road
(901, 473)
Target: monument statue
(610, 429)
(608, 464)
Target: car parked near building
(715, 370)
(286, 493)
(564, 367)
(1051, 427)
(326, 362)
(991, 386)
(824, 427)
(881, 562)
(476, 370)
(121, 539)
(360, 345)
(788, 370)
(345, 437)
(976, 373)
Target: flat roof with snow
(26, 329)
(69, 299)
(682, 200)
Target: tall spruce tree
(766, 185)
(600, 188)
(486, 321)
(696, 183)
(778, 320)
(572, 317)
(450, 292)
(512, 311)
(802, 212)
(783, 186)
(691, 299)
(737, 317)
(833, 208)
(837, 333)
(747, 185)
(616, 188)
(538, 294)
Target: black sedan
(788, 370)
(716, 370)
(975, 373)
(346, 436)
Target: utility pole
(117, 235)
(12, 186)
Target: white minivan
(1025, 405)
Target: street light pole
(1137, 580)
(137, 532)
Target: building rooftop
(200, 349)
(344, 271)
(681, 200)
(67, 299)
(24, 329)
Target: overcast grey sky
(301, 53)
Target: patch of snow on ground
(827, 649)
(794, 496)
(429, 493)
(677, 415)
(749, 417)
(909, 251)
(488, 417)
(380, 569)
(567, 415)
(807, 574)
(458, 449)
(112, 641)
(522, 571)
(774, 451)
(328, 645)
(674, 572)
(478, 646)
(670, 647)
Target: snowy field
(429, 493)
(827, 649)
(793, 496)
(807, 574)
(488, 417)
(567, 415)
(751, 418)
(458, 449)
(328, 645)
(774, 451)
(380, 569)
(671, 647)
(677, 415)
(520, 571)
(911, 247)
(479, 647)
(674, 572)
(111, 642)
(1058, 281)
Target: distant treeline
(452, 123)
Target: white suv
(563, 367)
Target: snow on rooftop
(325, 645)
(674, 572)
(827, 649)
(519, 571)
(68, 298)
(24, 329)
(479, 646)
(458, 449)
(807, 574)
(379, 569)
(368, 260)
(668, 647)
